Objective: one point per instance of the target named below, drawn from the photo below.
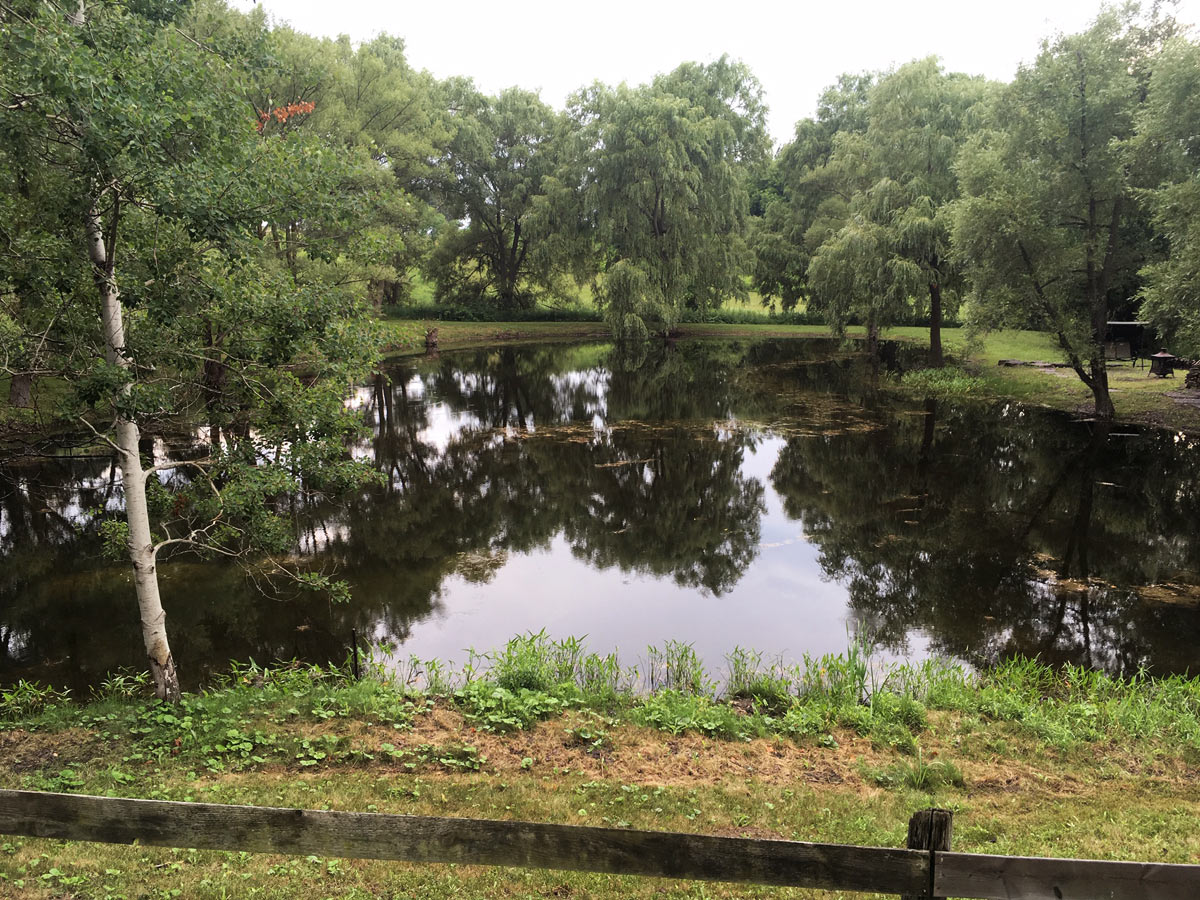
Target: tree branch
(92, 428)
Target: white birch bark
(133, 477)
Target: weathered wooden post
(929, 829)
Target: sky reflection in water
(772, 495)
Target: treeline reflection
(989, 530)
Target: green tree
(1170, 148)
(893, 251)
(1050, 222)
(859, 272)
(499, 163)
(804, 196)
(371, 103)
(665, 189)
(151, 184)
(919, 118)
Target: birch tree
(152, 183)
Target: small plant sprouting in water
(947, 382)
(123, 685)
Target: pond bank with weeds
(1033, 760)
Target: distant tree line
(1056, 201)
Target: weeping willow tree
(900, 168)
(860, 272)
(665, 173)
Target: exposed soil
(634, 754)
(27, 752)
(1185, 397)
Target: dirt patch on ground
(630, 753)
(1056, 371)
(26, 752)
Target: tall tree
(894, 249)
(859, 272)
(500, 161)
(152, 185)
(665, 187)
(368, 101)
(1049, 222)
(804, 197)
(1169, 148)
(919, 118)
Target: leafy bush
(493, 708)
(675, 712)
(769, 688)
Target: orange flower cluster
(282, 113)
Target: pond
(772, 495)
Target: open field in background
(421, 293)
(840, 749)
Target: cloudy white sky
(795, 48)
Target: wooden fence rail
(930, 871)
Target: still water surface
(772, 495)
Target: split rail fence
(926, 868)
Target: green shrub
(493, 708)
(676, 667)
(769, 688)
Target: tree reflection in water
(983, 531)
(998, 537)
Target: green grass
(234, 724)
(841, 748)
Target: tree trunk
(1077, 542)
(1099, 385)
(20, 391)
(213, 376)
(145, 575)
(133, 478)
(935, 325)
(872, 337)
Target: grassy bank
(842, 749)
(973, 372)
